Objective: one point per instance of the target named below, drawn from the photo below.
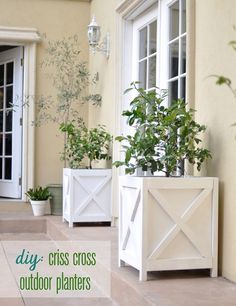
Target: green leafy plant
(72, 83)
(163, 136)
(83, 143)
(71, 80)
(38, 194)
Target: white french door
(11, 80)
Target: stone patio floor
(179, 288)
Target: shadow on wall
(221, 228)
(213, 165)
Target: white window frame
(28, 38)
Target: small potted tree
(71, 79)
(38, 198)
(87, 191)
(167, 222)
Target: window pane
(173, 91)
(8, 162)
(1, 143)
(183, 88)
(10, 73)
(152, 72)
(183, 60)
(1, 97)
(0, 168)
(143, 43)
(153, 37)
(1, 75)
(174, 59)
(143, 73)
(8, 144)
(8, 121)
(174, 20)
(9, 101)
(1, 121)
(183, 30)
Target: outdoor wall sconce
(94, 34)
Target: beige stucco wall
(58, 19)
(106, 17)
(216, 107)
(107, 70)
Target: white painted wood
(11, 188)
(168, 223)
(86, 195)
(18, 35)
(27, 37)
(129, 9)
(29, 87)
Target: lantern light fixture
(94, 34)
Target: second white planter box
(86, 195)
(168, 223)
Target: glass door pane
(147, 65)
(11, 81)
(6, 109)
(177, 50)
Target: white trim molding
(18, 35)
(129, 9)
(27, 37)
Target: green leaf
(120, 138)
(223, 80)
(127, 156)
(232, 43)
(118, 164)
(128, 90)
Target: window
(159, 48)
(177, 50)
(148, 55)
(145, 51)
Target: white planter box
(168, 223)
(86, 195)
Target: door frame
(28, 38)
(10, 182)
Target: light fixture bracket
(103, 47)
(94, 33)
